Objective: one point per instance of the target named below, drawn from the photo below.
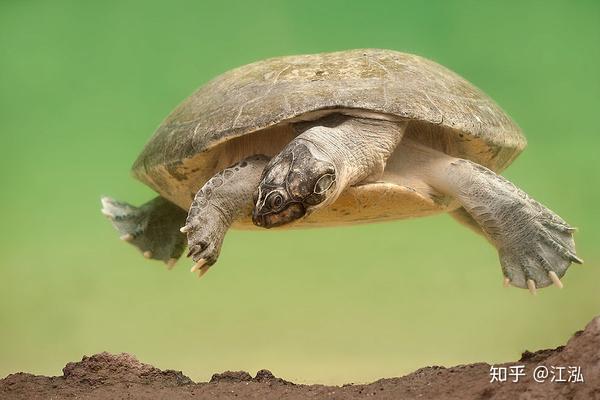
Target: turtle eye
(324, 183)
(275, 201)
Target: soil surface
(120, 376)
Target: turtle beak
(271, 220)
(257, 219)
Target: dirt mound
(567, 372)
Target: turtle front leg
(225, 198)
(535, 245)
(153, 227)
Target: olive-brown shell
(227, 113)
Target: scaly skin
(535, 245)
(153, 227)
(222, 200)
(328, 156)
(354, 145)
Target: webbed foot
(153, 227)
(535, 245)
(541, 249)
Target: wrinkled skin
(320, 163)
(535, 245)
(294, 183)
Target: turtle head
(296, 182)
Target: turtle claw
(201, 262)
(540, 257)
(202, 271)
(171, 263)
(128, 237)
(555, 279)
(531, 286)
(205, 242)
(200, 267)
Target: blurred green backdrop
(84, 84)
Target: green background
(84, 84)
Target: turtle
(339, 138)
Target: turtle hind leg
(153, 227)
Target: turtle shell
(249, 110)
